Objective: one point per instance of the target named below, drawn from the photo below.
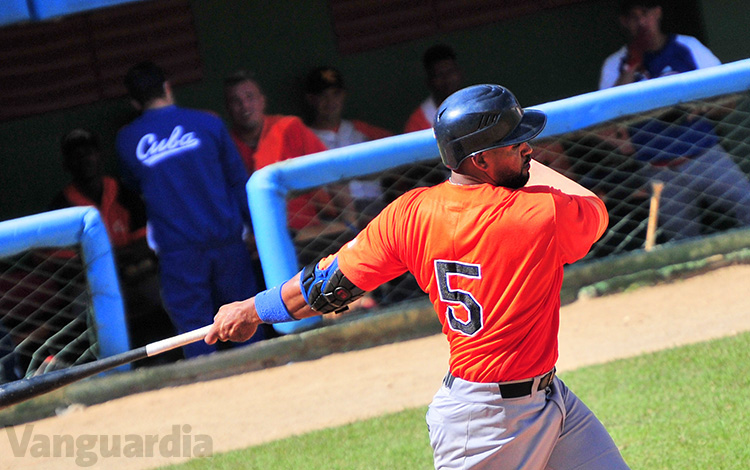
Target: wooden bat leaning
(25, 389)
(653, 215)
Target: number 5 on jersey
(445, 269)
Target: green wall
(726, 28)
(541, 58)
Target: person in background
(124, 216)
(188, 171)
(443, 77)
(325, 97)
(263, 139)
(680, 146)
(650, 52)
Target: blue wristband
(271, 308)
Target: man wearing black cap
(488, 246)
(325, 95)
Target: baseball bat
(653, 214)
(25, 389)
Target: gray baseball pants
(472, 427)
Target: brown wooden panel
(459, 14)
(82, 58)
(367, 24)
(169, 39)
(360, 25)
(46, 66)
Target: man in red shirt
(488, 246)
(263, 139)
(443, 77)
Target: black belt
(514, 389)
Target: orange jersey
(123, 225)
(370, 131)
(491, 260)
(283, 138)
(417, 122)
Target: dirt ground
(261, 406)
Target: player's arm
(542, 175)
(320, 288)
(238, 321)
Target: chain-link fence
(60, 300)
(46, 316)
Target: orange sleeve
(301, 140)
(284, 138)
(271, 143)
(582, 220)
(371, 258)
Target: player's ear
(480, 161)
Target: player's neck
(463, 180)
(158, 103)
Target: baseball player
(488, 246)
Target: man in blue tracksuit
(188, 171)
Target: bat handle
(174, 342)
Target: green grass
(681, 408)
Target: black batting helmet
(482, 117)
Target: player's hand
(234, 322)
